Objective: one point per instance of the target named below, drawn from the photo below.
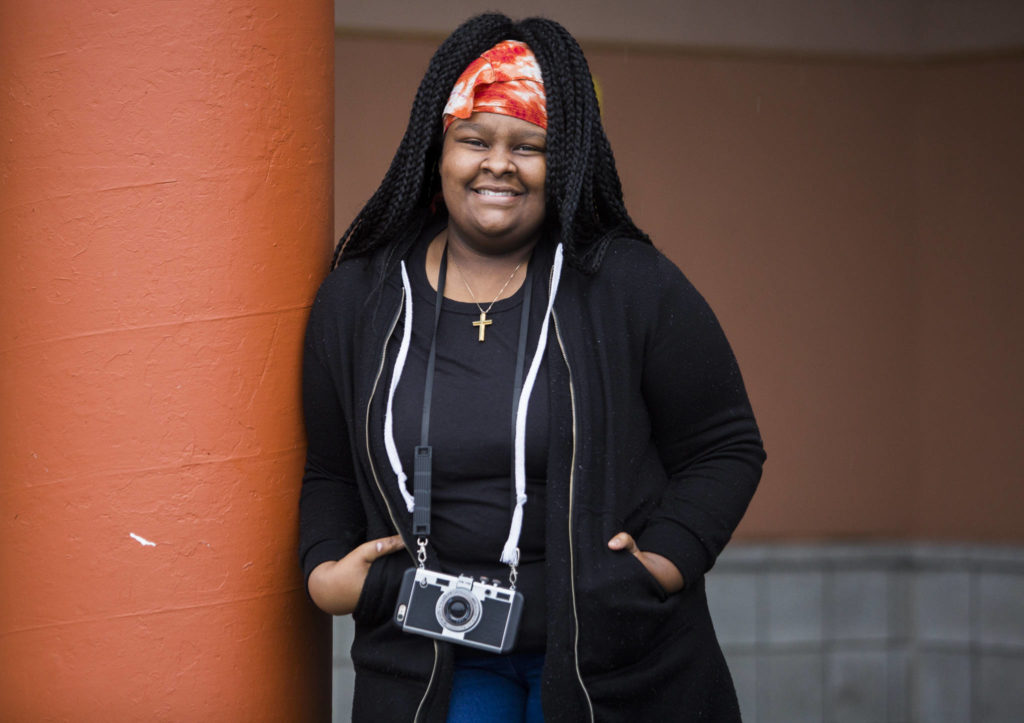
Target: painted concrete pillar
(165, 217)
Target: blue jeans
(496, 688)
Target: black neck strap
(423, 454)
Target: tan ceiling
(874, 27)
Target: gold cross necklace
(483, 322)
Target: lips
(496, 192)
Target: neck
(485, 273)
(475, 259)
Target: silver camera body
(459, 609)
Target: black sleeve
(331, 517)
(702, 425)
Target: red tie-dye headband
(506, 80)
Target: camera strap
(423, 453)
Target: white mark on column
(141, 540)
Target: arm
(705, 433)
(336, 585)
(332, 527)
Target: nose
(498, 161)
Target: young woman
(590, 440)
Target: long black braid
(583, 191)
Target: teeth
(487, 192)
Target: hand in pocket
(335, 585)
(660, 567)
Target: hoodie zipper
(572, 500)
(572, 478)
(376, 478)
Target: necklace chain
(470, 290)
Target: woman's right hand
(335, 585)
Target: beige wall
(851, 224)
(754, 177)
(969, 166)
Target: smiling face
(492, 177)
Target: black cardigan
(651, 433)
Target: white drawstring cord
(510, 554)
(389, 420)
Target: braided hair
(585, 211)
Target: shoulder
(642, 294)
(351, 277)
(342, 298)
(358, 278)
(640, 275)
(628, 259)
(350, 286)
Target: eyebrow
(477, 128)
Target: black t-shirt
(471, 432)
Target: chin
(504, 239)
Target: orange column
(165, 196)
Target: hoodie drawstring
(510, 553)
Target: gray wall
(873, 632)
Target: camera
(459, 609)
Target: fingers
(382, 546)
(623, 541)
(663, 570)
(335, 585)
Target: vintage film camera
(459, 610)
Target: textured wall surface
(165, 191)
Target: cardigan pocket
(622, 609)
(644, 572)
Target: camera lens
(458, 611)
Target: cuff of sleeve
(321, 552)
(380, 589)
(679, 545)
